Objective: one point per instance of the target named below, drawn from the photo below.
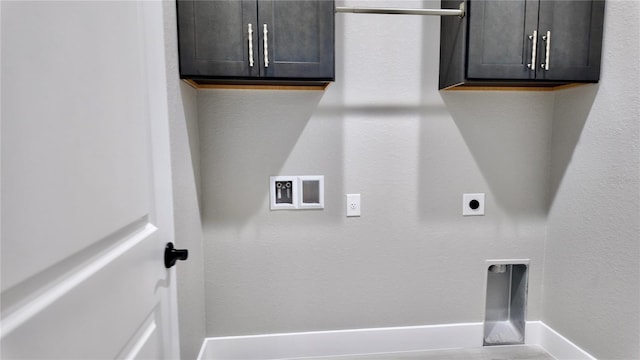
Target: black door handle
(172, 255)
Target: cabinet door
(300, 39)
(214, 38)
(499, 44)
(576, 39)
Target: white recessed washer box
(284, 192)
(296, 192)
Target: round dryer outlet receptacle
(473, 204)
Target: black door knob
(172, 255)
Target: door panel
(64, 140)
(214, 38)
(499, 44)
(300, 38)
(86, 204)
(576, 39)
(87, 304)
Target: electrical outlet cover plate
(353, 205)
(473, 204)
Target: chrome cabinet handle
(534, 46)
(266, 45)
(250, 30)
(546, 38)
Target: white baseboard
(538, 333)
(378, 340)
(343, 342)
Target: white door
(86, 199)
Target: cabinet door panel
(499, 44)
(300, 38)
(576, 39)
(214, 38)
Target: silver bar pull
(547, 38)
(250, 30)
(266, 45)
(534, 46)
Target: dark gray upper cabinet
(256, 41)
(521, 43)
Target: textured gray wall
(382, 130)
(592, 272)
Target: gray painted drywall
(592, 272)
(185, 177)
(384, 131)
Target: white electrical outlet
(473, 204)
(353, 205)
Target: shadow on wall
(572, 107)
(443, 169)
(521, 141)
(246, 135)
(508, 134)
(189, 107)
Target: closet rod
(439, 12)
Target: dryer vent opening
(506, 304)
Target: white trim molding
(343, 342)
(72, 280)
(539, 333)
(376, 341)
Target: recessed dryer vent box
(296, 192)
(506, 302)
